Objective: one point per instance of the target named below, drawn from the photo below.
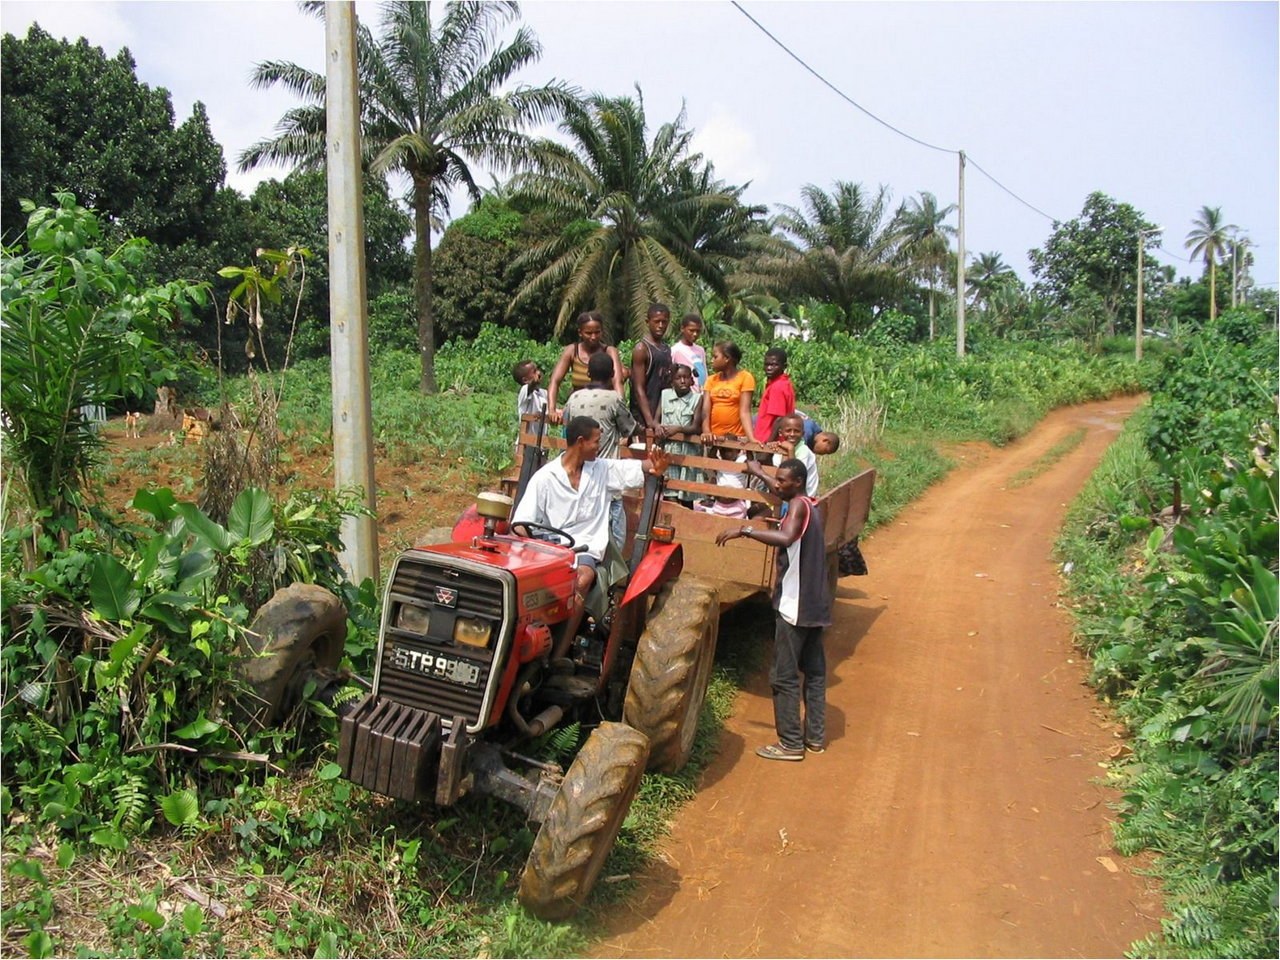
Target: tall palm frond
(429, 109)
(1208, 239)
(663, 223)
(838, 249)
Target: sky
(1166, 106)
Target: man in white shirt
(572, 494)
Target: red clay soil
(956, 811)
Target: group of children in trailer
(688, 408)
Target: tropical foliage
(1088, 265)
(1209, 240)
(839, 249)
(430, 108)
(661, 223)
(79, 332)
(1180, 617)
(924, 234)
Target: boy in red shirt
(779, 399)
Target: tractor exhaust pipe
(544, 721)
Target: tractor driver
(572, 494)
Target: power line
(884, 123)
(977, 167)
(834, 89)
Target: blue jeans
(798, 650)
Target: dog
(194, 430)
(132, 426)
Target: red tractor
(463, 680)
(463, 683)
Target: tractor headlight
(414, 619)
(472, 632)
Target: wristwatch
(747, 530)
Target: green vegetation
(1180, 619)
(125, 763)
(1047, 459)
(430, 108)
(125, 751)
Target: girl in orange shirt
(726, 411)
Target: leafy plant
(79, 332)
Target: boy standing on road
(802, 600)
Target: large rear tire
(300, 629)
(585, 817)
(671, 670)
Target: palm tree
(923, 235)
(429, 108)
(987, 274)
(660, 221)
(1208, 239)
(837, 249)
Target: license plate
(438, 665)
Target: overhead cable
(884, 123)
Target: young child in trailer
(779, 397)
(681, 414)
(530, 398)
(790, 443)
(726, 506)
(687, 350)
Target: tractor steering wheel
(532, 529)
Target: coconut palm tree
(923, 233)
(1208, 239)
(661, 222)
(429, 109)
(837, 249)
(987, 274)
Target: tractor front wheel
(671, 670)
(585, 817)
(300, 629)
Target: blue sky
(1167, 106)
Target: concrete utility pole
(960, 267)
(1137, 332)
(352, 414)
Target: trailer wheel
(585, 817)
(671, 670)
(301, 628)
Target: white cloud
(728, 144)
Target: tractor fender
(471, 525)
(662, 562)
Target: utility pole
(960, 267)
(1137, 326)
(348, 302)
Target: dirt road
(954, 813)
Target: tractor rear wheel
(300, 629)
(671, 670)
(585, 817)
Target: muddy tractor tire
(300, 629)
(585, 817)
(671, 670)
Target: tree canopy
(430, 107)
(73, 119)
(662, 222)
(1090, 263)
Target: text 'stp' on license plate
(438, 665)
